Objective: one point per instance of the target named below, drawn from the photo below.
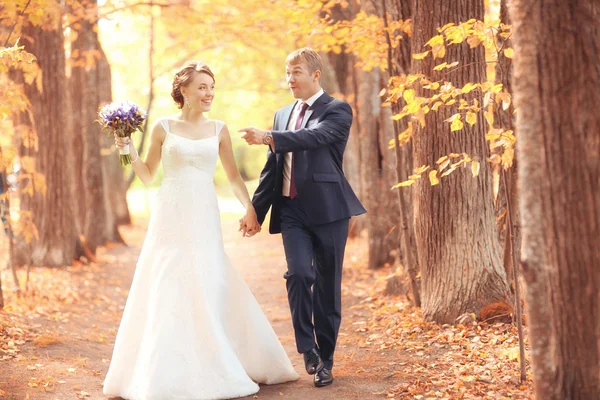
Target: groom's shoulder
(286, 108)
(338, 104)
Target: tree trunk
(115, 185)
(399, 61)
(556, 93)
(52, 211)
(377, 170)
(86, 90)
(505, 119)
(456, 233)
(341, 78)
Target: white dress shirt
(287, 157)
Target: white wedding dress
(191, 328)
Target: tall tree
(377, 169)
(89, 90)
(399, 62)
(378, 163)
(52, 212)
(340, 77)
(115, 185)
(557, 76)
(504, 119)
(457, 242)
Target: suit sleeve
(334, 127)
(263, 196)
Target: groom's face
(301, 81)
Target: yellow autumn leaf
(433, 179)
(432, 86)
(509, 53)
(489, 117)
(440, 67)
(475, 168)
(441, 160)
(471, 118)
(403, 184)
(444, 165)
(420, 116)
(453, 117)
(421, 169)
(409, 95)
(414, 177)
(420, 56)
(435, 41)
(468, 87)
(437, 105)
(456, 125)
(474, 41)
(450, 102)
(439, 51)
(496, 88)
(449, 171)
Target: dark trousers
(314, 254)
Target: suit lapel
(315, 111)
(285, 118)
(307, 116)
(287, 115)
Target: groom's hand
(253, 135)
(247, 228)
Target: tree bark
(341, 66)
(457, 242)
(377, 170)
(52, 212)
(88, 91)
(115, 184)
(556, 93)
(505, 120)
(399, 61)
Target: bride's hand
(249, 224)
(121, 142)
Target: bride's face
(200, 92)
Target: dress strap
(219, 125)
(164, 123)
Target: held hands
(253, 135)
(249, 225)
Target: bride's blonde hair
(184, 76)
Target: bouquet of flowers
(122, 119)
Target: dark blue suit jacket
(324, 194)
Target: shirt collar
(311, 100)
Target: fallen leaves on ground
(428, 360)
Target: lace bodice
(190, 159)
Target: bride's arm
(146, 170)
(233, 174)
(235, 179)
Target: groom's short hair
(308, 56)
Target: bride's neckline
(190, 139)
(168, 131)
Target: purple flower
(122, 118)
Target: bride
(191, 328)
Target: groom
(311, 203)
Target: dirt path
(75, 328)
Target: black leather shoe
(323, 378)
(312, 361)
